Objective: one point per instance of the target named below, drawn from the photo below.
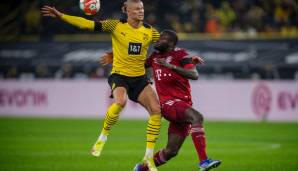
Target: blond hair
(125, 4)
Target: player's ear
(124, 7)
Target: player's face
(164, 43)
(135, 11)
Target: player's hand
(163, 62)
(106, 59)
(48, 11)
(198, 60)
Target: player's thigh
(120, 96)
(119, 88)
(149, 100)
(175, 111)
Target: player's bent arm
(106, 59)
(190, 73)
(78, 21)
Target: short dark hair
(172, 34)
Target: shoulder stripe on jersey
(106, 25)
(155, 35)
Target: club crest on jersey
(168, 59)
(146, 37)
(123, 34)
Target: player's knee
(154, 108)
(198, 118)
(195, 117)
(121, 101)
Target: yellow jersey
(129, 45)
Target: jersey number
(134, 48)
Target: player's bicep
(186, 62)
(106, 25)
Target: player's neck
(169, 50)
(134, 23)
(166, 51)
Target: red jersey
(169, 84)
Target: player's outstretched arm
(48, 11)
(80, 22)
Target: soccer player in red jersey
(172, 67)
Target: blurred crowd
(190, 16)
(214, 16)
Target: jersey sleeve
(78, 21)
(106, 25)
(155, 35)
(186, 60)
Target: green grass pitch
(34, 144)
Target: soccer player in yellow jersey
(130, 41)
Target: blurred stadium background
(52, 87)
(240, 39)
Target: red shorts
(174, 112)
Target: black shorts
(133, 85)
